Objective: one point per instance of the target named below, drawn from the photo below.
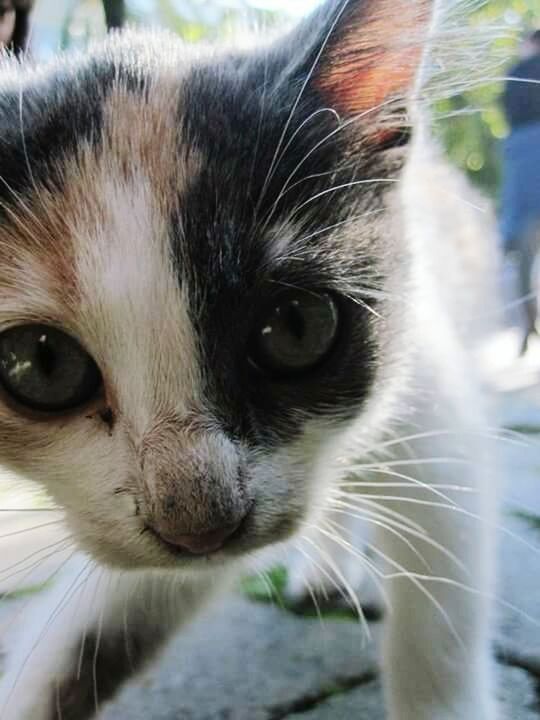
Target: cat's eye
(295, 333)
(45, 369)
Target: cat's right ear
(363, 57)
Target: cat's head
(200, 267)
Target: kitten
(219, 279)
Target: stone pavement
(252, 661)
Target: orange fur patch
(377, 57)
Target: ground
(249, 660)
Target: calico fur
(154, 203)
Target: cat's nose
(202, 543)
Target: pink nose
(202, 543)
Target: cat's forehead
(195, 145)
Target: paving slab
(365, 702)
(249, 662)
(517, 697)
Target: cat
(230, 314)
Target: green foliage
(25, 592)
(270, 588)
(195, 20)
(83, 22)
(267, 587)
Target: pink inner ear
(367, 86)
(375, 57)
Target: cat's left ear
(369, 56)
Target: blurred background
(472, 137)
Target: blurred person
(15, 23)
(521, 177)
(115, 13)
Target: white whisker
(333, 189)
(303, 87)
(27, 510)
(302, 125)
(390, 525)
(50, 578)
(415, 461)
(418, 584)
(59, 546)
(322, 570)
(298, 245)
(489, 433)
(389, 512)
(96, 653)
(373, 571)
(29, 655)
(344, 125)
(345, 584)
(380, 483)
(31, 529)
(379, 521)
(310, 588)
(473, 591)
(413, 482)
(85, 630)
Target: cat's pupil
(46, 356)
(295, 320)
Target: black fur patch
(238, 115)
(47, 117)
(106, 664)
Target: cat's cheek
(26, 445)
(80, 465)
(29, 438)
(291, 486)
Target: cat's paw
(331, 569)
(332, 583)
(479, 704)
(485, 711)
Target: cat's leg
(82, 641)
(436, 653)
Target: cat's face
(197, 265)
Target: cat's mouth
(202, 544)
(228, 542)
